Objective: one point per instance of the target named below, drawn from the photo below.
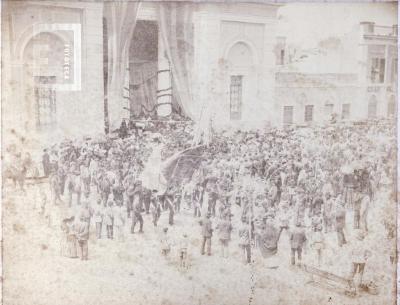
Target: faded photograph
(198, 153)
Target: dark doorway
(143, 67)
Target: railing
(338, 78)
(385, 30)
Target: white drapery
(121, 20)
(176, 26)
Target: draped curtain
(176, 27)
(121, 20)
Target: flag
(181, 166)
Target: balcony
(380, 30)
(370, 30)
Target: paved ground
(134, 272)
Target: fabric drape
(121, 20)
(176, 27)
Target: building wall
(298, 90)
(219, 28)
(79, 103)
(228, 40)
(379, 42)
(307, 87)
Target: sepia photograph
(199, 152)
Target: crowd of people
(304, 181)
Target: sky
(305, 24)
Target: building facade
(243, 75)
(353, 78)
(52, 67)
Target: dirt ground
(134, 272)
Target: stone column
(164, 82)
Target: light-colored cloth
(297, 238)
(98, 213)
(81, 229)
(224, 228)
(268, 241)
(165, 242)
(119, 216)
(108, 216)
(359, 252)
(68, 243)
(206, 227)
(244, 235)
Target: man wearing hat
(46, 163)
(297, 240)
(197, 199)
(155, 207)
(340, 216)
(81, 227)
(118, 192)
(245, 239)
(55, 188)
(130, 191)
(85, 211)
(98, 214)
(109, 219)
(168, 204)
(359, 255)
(74, 186)
(105, 189)
(206, 233)
(137, 212)
(183, 251)
(349, 181)
(224, 228)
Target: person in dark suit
(46, 163)
(123, 130)
(206, 232)
(137, 212)
(340, 215)
(81, 228)
(197, 200)
(297, 240)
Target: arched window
(240, 59)
(44, 56)
(240, 55)
(372, 107)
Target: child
(183, 249)
(244, 240)
(359, 256)
(283, 218)
(98, 217)
(165, 243)
(318, 242)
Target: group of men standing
(303, 190)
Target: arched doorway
(43, 58)
(241, 78)
(372, 107)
